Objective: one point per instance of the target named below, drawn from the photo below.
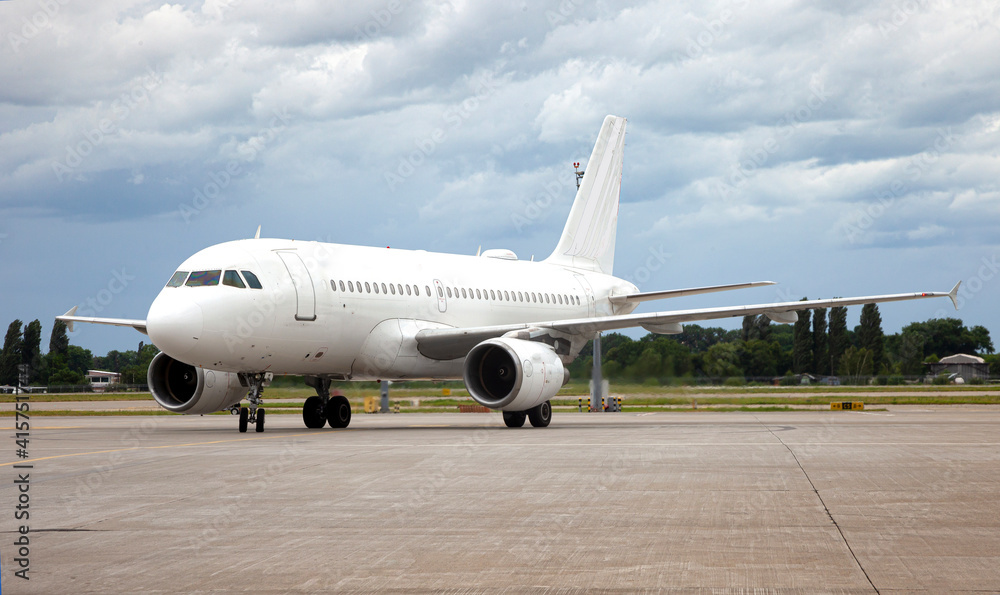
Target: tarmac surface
(904, 500)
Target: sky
(839, 148)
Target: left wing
(70, 317)
(453, 343)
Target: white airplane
(235, 314)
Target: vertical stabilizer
(588, 240)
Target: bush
(734, 381)
(942, 378)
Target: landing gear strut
(254, 414)
(324, 408)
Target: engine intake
(513, 374)
(183, 388)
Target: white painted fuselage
(352, 312)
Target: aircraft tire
(540, 416)
(514, 419)
(244, 416)
(312, 412)
(260, 420)
(338, 412)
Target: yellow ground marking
(98, 452)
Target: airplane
(235, 314)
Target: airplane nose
(174, 324)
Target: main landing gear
(324, 408)
(254, 414)
(539, 416)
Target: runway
(904, 500)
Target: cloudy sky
(839, 148)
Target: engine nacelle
(513, 374)
(183, 388)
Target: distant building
(100, 380)
(966, 366)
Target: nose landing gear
(254, 414)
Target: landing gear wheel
(260, 420)
(541, 415)
(244, 417)
(514, 419)
(338, 412)
(312, 413)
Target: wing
(452, 343)
(671, 293)
(70, 317)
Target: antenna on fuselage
(256, 236)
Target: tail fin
(588, 240)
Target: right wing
(671, 293)
(70, 317)
(453, 343)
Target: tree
(837, 340)
(32, 350)
(856, 365)
(821, 353)
(870, 335)
(59, 341)
(722, 360)
(802, 360)
(759, 359)
(13, 347)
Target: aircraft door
(442, 301)
(305, 292)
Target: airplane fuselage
(352, 312)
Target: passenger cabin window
(178, 279)
(204, 278)
(342, 286)
(232, 279)
(251, 280)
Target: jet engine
(183, 388)
(513, 374)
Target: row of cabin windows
(369, 287)
(212, 278)
(490, 294)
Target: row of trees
(813, 345)
(64, 364)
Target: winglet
(256, 236)
(953, 294)
(69, 323)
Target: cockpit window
(178, 279)
(252, 280)
(204, 278)
(232, 279)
